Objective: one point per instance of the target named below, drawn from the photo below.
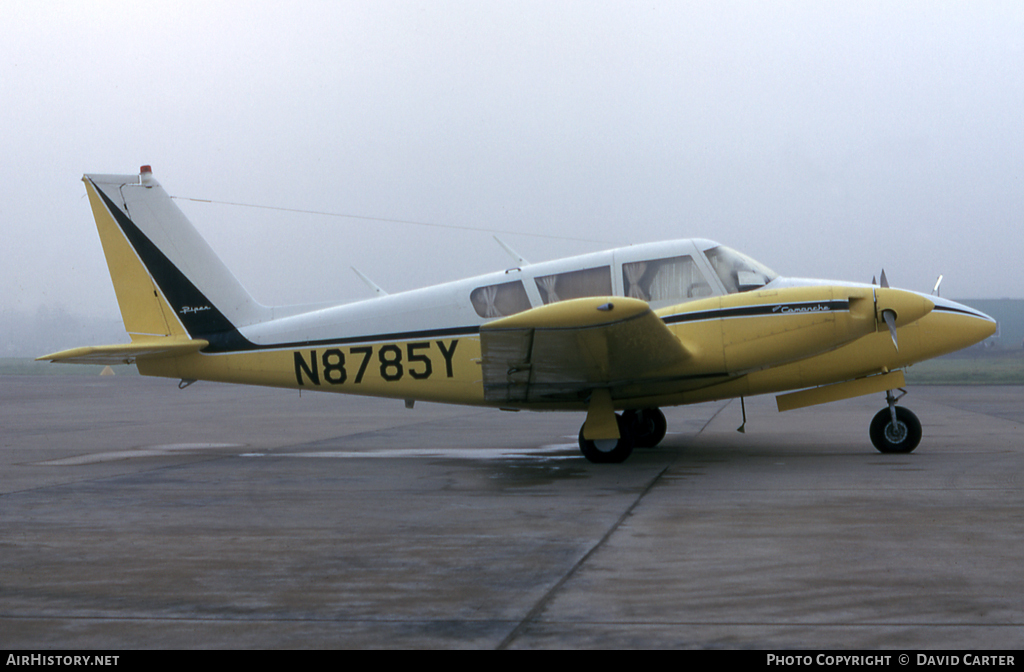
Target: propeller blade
(884, 281)
(935, 289)
(890, 319)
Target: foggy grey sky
(825, 139)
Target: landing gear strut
(895, 429)
(637, 429)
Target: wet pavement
(137, 515)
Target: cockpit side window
(674, 279)
(576, 284)
(507, 298)
(738, 272)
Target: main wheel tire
(647, 426)
(902, 437)
(608, 451)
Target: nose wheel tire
(901, 437)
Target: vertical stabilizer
(167, 279)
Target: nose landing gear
(895, 429)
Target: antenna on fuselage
(515, 255)
(370, 283)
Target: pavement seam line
(542, 604)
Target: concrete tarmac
(135, 515)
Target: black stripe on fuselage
(768, 309)
(803, 307)
(963, 311)
(371, 338)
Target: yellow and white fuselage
(631, 329)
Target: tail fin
(167, 279)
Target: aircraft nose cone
(972, 326)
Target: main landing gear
(895, 429)
(637, 429)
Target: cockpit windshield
(738, 272)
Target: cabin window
(738, 272)
(576, 284)
(508, 298)
(675, 279)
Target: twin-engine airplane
(628, 330)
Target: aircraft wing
(126, 353)
(564, 350)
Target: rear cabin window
(659, 280)
(576, 284)
(508, 298)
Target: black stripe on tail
(197, 313)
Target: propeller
(896, 307)
(890, 320)
(888, 315)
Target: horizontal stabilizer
(126, 353)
